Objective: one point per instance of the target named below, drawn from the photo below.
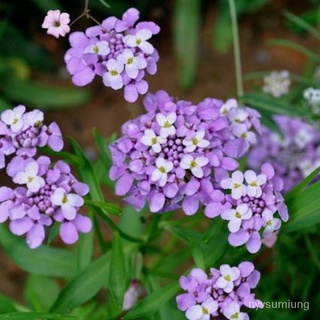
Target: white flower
(166, 124)
(254, 182)
(306, 166)
(160, 174)
(202, 311)
(13, 118)
(67, 201)
(139, 40)
(132, 64)
(235, 183)
(277, 83)
(113, 77)
(235, 216)
(151, 139)
(228, 275)
(241, 131)
(30, 177)
(237, 116)
(303, 137)
(196, 141)
(227, 106)
(272, 224)
(100, 48)
(194, 164)
(56, 23)
(232, 311)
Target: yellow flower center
(238, 215)
(167, 124)
(236, 185)
(114, 72)
(138, 41)
(30, 179)
(154, 140)
(235, 316)
(193, 164)
(205, 311)
(195, 141)
(162, 169)
(253, 184)
(64, 199)
(227, 277)
(15, 120)
(96, 49)
(130, 61)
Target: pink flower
(56, 23)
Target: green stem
(98, 234)
(236, 47)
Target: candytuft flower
(57, 23)
(277, 83)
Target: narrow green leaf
(187, 235)
(117, 274)
(198, 257)
(6, 304)
(103, 148)
(84, 286)
(43, 261)
(35, 316)
(45, 97)
(108, 207)
(40, 292)
(153, 302)
(186, 39)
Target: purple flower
(57, 23)
(118, 51)
(221, 294)
(254, 207)
(294, 155)
(174, 156)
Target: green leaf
(6, 304)
(103, 148)
(270, 105)
(304, 210)
(186, 39)
(35, 316)
(45, 97)
(87, 172)
(198, 256)
(108, 207)
(43, 261)
(117, 274)
(40, 292)
(153, 302)
(84, 286)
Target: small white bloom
(113, 77)
(235, 216)
(14, 118)
(160, 174)
(228, 275)
(235, 183)
(202, 311)
(132, 63)
(306, 166)
(277, 83)
(194, 164)
(227, 106)
(196, 141)
(241, 131)
(100, 48)
(254, 182)
(30, 177)
(232, 311)
(271, 224)
(67, 201)
(238, 115)
(139, 40)
(166, 124)
(303, 137)
(151, 139)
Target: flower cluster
(312, 97)
(294, 154)
(253, 201)
(219, 295)
(118, 51)
(175, 155)
(45, 192)
(277, 83)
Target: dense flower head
(118, 50)
(44, 192)
(219, 295)
(251, 207)
(22, 132)
(175, 155)
(294, 154)
(277, 83)
(57, 23)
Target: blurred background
(196, 61)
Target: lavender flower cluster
(45, 192)
(294, 154)
(253, 202)
(175, 155)
(118, 51)
(219, 295)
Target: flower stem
(236, 47)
